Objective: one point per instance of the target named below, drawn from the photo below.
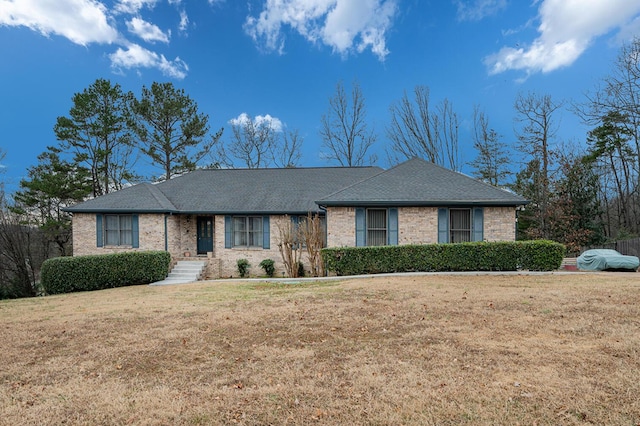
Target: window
(376, 227)
(247, 231)
(118, 230)
(460, 225)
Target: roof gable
(417, 182)
(143, 197)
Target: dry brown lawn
(542, 349)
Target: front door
(205, 234)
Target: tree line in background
(580, 194)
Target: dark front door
(205, 234)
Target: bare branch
(344, 130)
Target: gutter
(438, 203)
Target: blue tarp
(603, 259)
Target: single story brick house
(222, 215)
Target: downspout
(326, 222)
(166, 236)
(326, 236)
(518, 210)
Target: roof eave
(120, 211)
(437, 203)
(194, 212)
(245, 212)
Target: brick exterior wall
(341, 227)
(182, 241)
(499, 224)
(416, 225)
(151, 235)
(227, 265)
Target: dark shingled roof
(420, 183)
(231, 191)
(143, 197)
(301, 190)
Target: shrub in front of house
(539, 255)
(269, 267)
(97, 272)
(243, 267)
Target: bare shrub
(288, 246)
(311, 234)
(20, 259)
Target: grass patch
(547, 349)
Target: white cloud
(80, 21)
(133, 6)
(147, 31)
(258, 120)
(629, 31)
(184, 21)
(88, 21)
(566, 29)
(344, 25)
(136, 56)
(476, 10)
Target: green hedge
(539, 255)
(85, 273)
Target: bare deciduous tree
(418, 131)
(21, 254)
(311, 233)
(261, 141)
(287, 151)
(344, 130)
(289, 246)
(252, 142)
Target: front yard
(486, 349)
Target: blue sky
(283, 58)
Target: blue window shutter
(360, 227)
(99, 231)
(478, 224)
(266, 233)
(443, 225)
(392, 234)
(135, 232)
(228, 235)
(295, 220)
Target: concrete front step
(184, 271)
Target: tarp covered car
(605, 259)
